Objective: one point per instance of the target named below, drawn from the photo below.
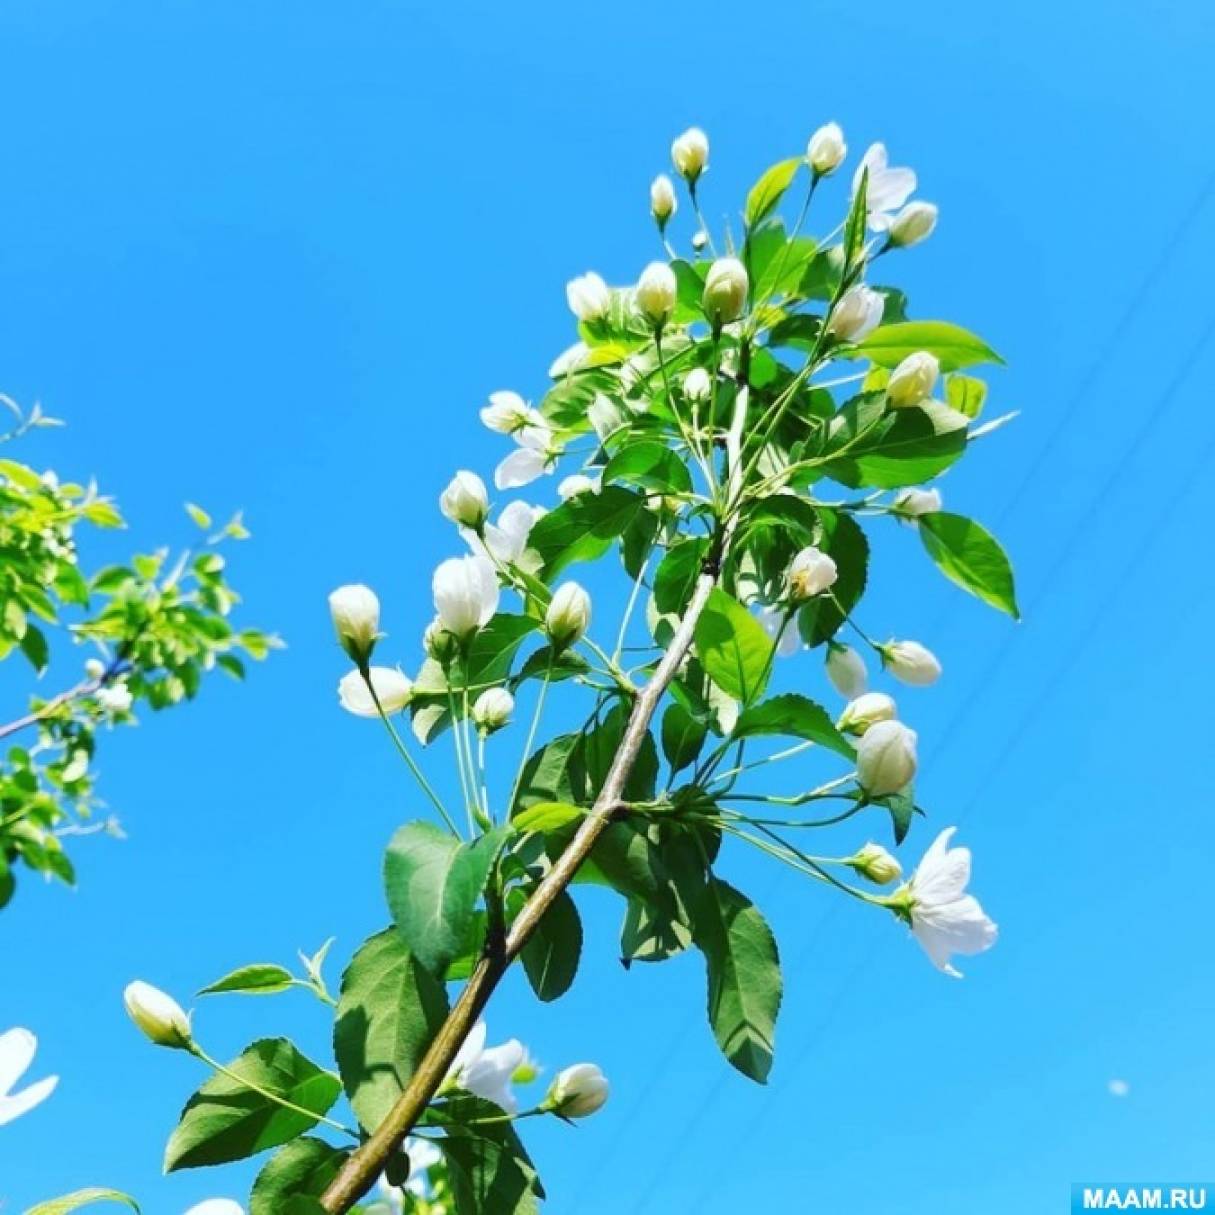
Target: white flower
(572, 358)
(887, 190)
(857, 314)
(486, 1072)
(569, 614)
(391, 686)
(725, 293)
(355, 611)
(826, 150)
(915, 502)
(536, 455)
(115, 697)
(690, 154)
(465, 500)
(911, 663)
(697, 385)
(663, 203)
(875, 863)
(17, 1050)
(216, 1206)
(508, 412)
(578, 1091)
(588, 297)
(492, 709)
(94, 668)
(944, 918)
(772, 618)
(866, 710)
(846, 670)
(157, 1014)
(605, 416)
(886, 758)
(913, 380)
(655, 292)
(811, 573)
(465, 593)
(506, 540)
(700, 238)
(914, 223)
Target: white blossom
(826, 150)
(866, 710)
(663, 203)
(913, 380)
(392, 686)
(875, 863)
(915, 222)
(577, 483)
(911, 663)
(690, 154)
(588, 297)
(846, 670)
(216, 1206)
(697, 385)
(115, 697)
(17, 1050)
(465, 594)
(572, 358)
(887, 189)
(508, 412)
(94, 668)
(486, 1071)
(536, 454)
(569, 614)
(355, 612)
(492, 709)
(656, 292)
(725, 293)
(605, 416)
(886, 758)
(506, 540)
(157, 1014)
(857, 313)
(578, 1091)
(916, 502)
(811, 573)
(465, 500)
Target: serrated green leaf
(583, 528)
(550, 957)
(796, 716)
(683, 736)
(302, 1169)
(651, 465)
(546, 816)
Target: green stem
(531, 733)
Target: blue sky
(274, 257)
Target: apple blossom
(914, 223)
(216, 1206)
(158, 1015)
(866, 710)
(17, 1050)
(115, 697)
(916, 502)
(605, 416)
(725, 294)
(846, 670)
(663, 203)
(537, 453)
(492, 709)
(887, 189)
(508, 412)
(913, 380)
(575, 484)
(875, 863)
(857, 314)
(697, 385)
(826, 150)
(568, 615)
(588, 297)
(355, 611)
(485, 1071)
(911, 663)
(577, 1091)
(886, 758)
(506, 540)
(655, 293)
(465, 594)
(465, 500)
(690, 154)
(811, 573)
(392, 687)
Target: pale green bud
(568, 615)
(876, 864)
(356, 618)
(578, 1091)
(725, 293)
(158, 1015)
(465, 500)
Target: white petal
(943, 873)
(17, 1049)
(16, 1104)
(521, 467)
(890, 189)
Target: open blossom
(486, 1071)
(772, 619)
(911, 663)
(578, 1091)
(857, 314)
(811, 573)
(886, 758)
(465, 500)
(393, 688)
(588, 297)
(508, 412)
(944, 918)
(846, 670)
(690, 154)
(663, 203)
(826, 150)
(536, 455)
(914, 223)
(465, 593)
(506, 540)
(916, 502)
(17, 1050)
(887, 189)
(115, 697)
(913, 380)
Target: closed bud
(916, 502)
(911, 663)
(886, 758)
(725, 293)
(158, 1015)
(826, 150)
(866, 710)
(656, 292)
(465, 501)
(568, 615)
(439, 644)
(663, 203)
(578, 1091)
(356, 618)
(94, 668)
(914, 223)
(605, 416)
(913, 380)
(492, 709)
(876, 864)
(700, 238)
(588, 297)
(690, 154)
(857, 314)
(811, 573)
(465, 593)
(846, 670)
(697, 385)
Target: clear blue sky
(274, 256)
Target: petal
(943, 873)
(16, 1104)
(521, 467)
(17, 1049)
(505, 399)
(471, 1047)
(890, 189)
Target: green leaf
(489, 1170)
(302, 1169)
(953, 346)
(81, 1198)
(733, 647)
(677, 573)
(970, 555)
(546, 816)
(651, 465)
(854, 226)
(768, 191)
(433, 882)
(198, 515)
(389, 1009)
(796, 716)
(34, 646)
(799, 331)
(548, 775)
(258, 979)
(911, 447)
(744, 977)
(227, 1119)
(683, 736)
(550, 957)
(583, 528)
(966, 394)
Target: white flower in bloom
(506, 540)
(578, 1091)
(846, 670)
(536, 455)
(157, 1014)
(826, 150)
(944, 918)
(914, 223)
(697, 385)
(392, 687)
(866, 710)
(917, 502)
(569, 614)
(17, 1050)
(811, 573)
(465, 500)
(486, 1071)
(887, 190)
(725, 293)
(911, 663)
(913, 380)
(656, 292)
(355, 611)
(216, 1206)
(492, 709)
(886, 758)
(771, 618)
(663, 203)
(508, 412)
(605, 416)
(857, 314)
(115, 697)
(690, 154)
(588, 297)
(466, 594)
(577, 483)
(875, 863)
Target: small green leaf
(768, 191)
(198, 515)
(954, 347)
(970, 555)
(546, 816)
(489, 1170)
(677, 573)
(651, 465)
(258, 979)
(966, 394)
(796, 716)
(683, 736)
(81, 1198)
(733, 647)
(854, 227)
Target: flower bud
(465, 501)
(578, 1091)
(568, 615)
(588, 297)
(393, 689)
(916, 502)
(656, 292)
(700, 238)
(885, 758)
(913, 380)
(94, 668)
(866, 710)
(876, 864)
(857, 314)
(697, 385)
(439, 644)
(911, 663)
(914, 223)
(846, 670)
(663, 203)
(826, 150)
(605, 416)
(465, 593)
(725, 293)
(356, 618)
(811, 573)
(158, 1015)
(690, 154)
(492, 709)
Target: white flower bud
(465, 500)
(158, 1015)
(656, 292)
(826, 150)
(911, 663)
(115, 697)
(575, 484)
(700, 238)
(439, 644)
(857, 314)
(725, 293)
(568, 615)
(663, 203)
(94, 668)
(916, 502)
(690, 154)
(588, 297)
(492, 709)
(914, 223)
(913, 380)
(392, 687)
(697, 385)
(885, 758)
(356, 618)
(866, 710)
(604, 415)
(578, 1091)
(811, 573)
(507, 412)
(465, 593)
(875, 863)
(846, 670)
